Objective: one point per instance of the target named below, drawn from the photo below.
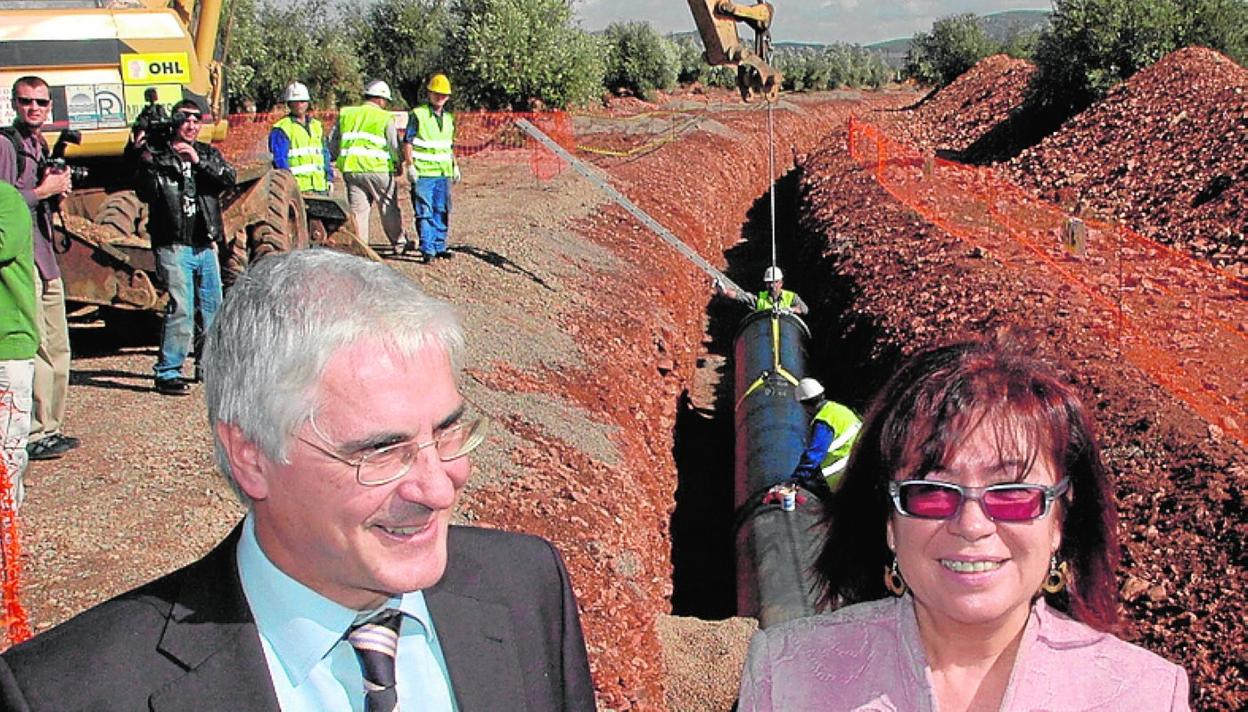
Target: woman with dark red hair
(970, 553)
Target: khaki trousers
(364, 189)
(51, 361)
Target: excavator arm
(717, 23)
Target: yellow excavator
(717, 23)
(104, 61)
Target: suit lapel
(211, 631)
(477, 639)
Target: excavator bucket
(717, 24)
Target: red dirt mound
(960, 114)
(1166, 152)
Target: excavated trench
(703, 523)
(847, 360)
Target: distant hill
(998, 25)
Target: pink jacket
(869, 657)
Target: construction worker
(429, 159)
(297, 143)
(833, 428)
(366, 145)
(775, 296)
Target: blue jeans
(431, 201)
(192, 277)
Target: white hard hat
(377, 88)
(773, 274)
(296, 91)
(808, 389)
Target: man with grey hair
(333, 398)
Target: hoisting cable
(771, 179)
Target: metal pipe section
(775, 548)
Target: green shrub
(954, 45)
(692, 66)
(402, 42)
(509, 54)
(1094, 44)
(639, 59)
(831, 67)
(272, 45)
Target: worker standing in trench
(833, 429)
(775, 296)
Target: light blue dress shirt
(313, 667)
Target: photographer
(181, 178)
(24, 165)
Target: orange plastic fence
(482, 135)
(12, 614)
(1180, 320)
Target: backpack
(14, 137)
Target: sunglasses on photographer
(1006, 502)
(28, 100)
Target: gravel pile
(954, 117)
(1165, 152)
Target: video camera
(158, 133)
(56, 163)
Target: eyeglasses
(187, 117)
(28, 100)
(387, 464)
(1007, 502)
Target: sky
(821, 21)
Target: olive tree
(639, 59)
(1093, 44)
(693, 67)
(402, 42)
(267, 46)
(517, 53)
(953, 46)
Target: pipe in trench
(775, 548)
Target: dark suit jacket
(187, 642)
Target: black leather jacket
(165, 189)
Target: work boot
(173, 387)
(426, 258)
(446, 254)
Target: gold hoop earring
(1059, 574)
(893, 581)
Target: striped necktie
(375, 641)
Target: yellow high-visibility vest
(765, 302)
(433, 153)
(362, 145)
(845, 425)
(306, 154)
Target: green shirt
(19, 337)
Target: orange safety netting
(1180, 320)
(12, 614)
(483, 135)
